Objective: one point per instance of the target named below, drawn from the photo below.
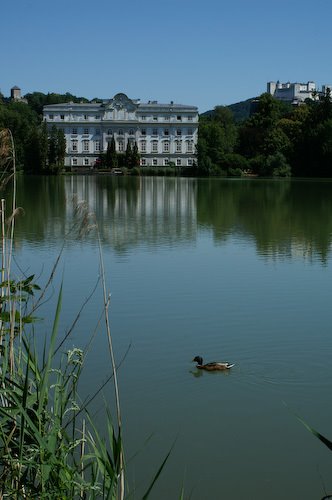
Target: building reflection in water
(138, 210)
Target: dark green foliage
(56, 150)
(128, 155)
(111, 157)
(135, 157)
(35, 152)
(217, 137)
(37, 100)
(114, 159)
(21, 120)
(240, 110)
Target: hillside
(240, 110)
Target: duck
(212, 366)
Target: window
(86, 161)
(50, 117)
(109, 131)
(143, 162)
(166, 118)
(85, 117)
(62, 117)
(96, 117)
(166, 162)
(131, 132)
(154, 162)
(86, 131)
(155, 118)
(190, 118)
(74, 146)
(74, 131)
(155, 131)
(143, 131)
(190, 131)
(74, 161)
(166, 147)
(121, 146)
(86, 146)
(97, 131)
(143, 146)
(120, 131)
(179, 131)
(178, 162)
(97, 145)
(143, 118)
(179, 118)
(190, 162)
(166, 131)
(154, 146)
(189, 147)
(178, 146)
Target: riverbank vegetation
(49, 444)
(277, 139)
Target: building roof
(124, 100)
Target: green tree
(111, 157)
(128, 155)
(135, 156)
(216, 138)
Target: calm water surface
(231, 270)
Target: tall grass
(49, 445)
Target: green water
(234, 270)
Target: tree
(111, 157)
(128, 155)
(135, 156)
(56, 150)
(216, 137)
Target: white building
(164, 133)
(291, 92)
(295, 93)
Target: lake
(232, 270)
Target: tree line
(278, 139)
(38, 149)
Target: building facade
(295, 93)
(164, 133)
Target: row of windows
(178, 162)
(166, 146)
(131, 131)
(155, 118)
(143, 144)
(166, 132)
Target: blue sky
(201, 52)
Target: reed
(49, 445)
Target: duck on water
(212, 366)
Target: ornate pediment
(121, 101)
